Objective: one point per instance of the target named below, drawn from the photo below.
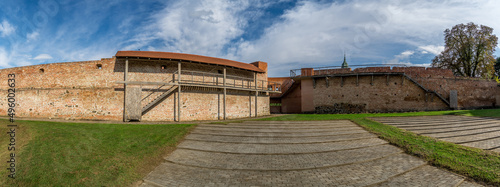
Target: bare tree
(468, 51)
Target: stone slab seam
(280, 142)
(282, 153)
(272, 136)
(297, 169)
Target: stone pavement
(320, 153)
(483, 133)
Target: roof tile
(189, 57)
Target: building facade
(381, 89)
(142, 86)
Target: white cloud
(6, 29)
(4, 58)
(32, 36)
(43, 57)
(406, 54)
(402, 58)
(434, 49)
(318, 32)
(201, 27)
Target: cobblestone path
(483, 133)
(321, 153)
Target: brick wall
(87, 90)
(472, 92)
(362, 96)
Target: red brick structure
(139, 85)
(383, 89)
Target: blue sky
(285, 33)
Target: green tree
(497, 67)
(468, 51)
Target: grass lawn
(476, 163)
(84, 154)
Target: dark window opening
(99, 66)
(42, 70)
(163, 67)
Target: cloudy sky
(287, 34)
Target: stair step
(427, 90)
(158, 99)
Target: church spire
(344, 64)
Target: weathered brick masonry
(382, 89)
(88, 90)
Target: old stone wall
(354, 96)
(472, 92)
(88, 90)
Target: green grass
(476, 163)
(82, 154)
(61, 154)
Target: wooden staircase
(158, 100)
(427, 90)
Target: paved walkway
(483, 133)
(326, 153)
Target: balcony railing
(216, 79)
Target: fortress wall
(379, 97)
(472, 92)
(208, 103)
(80, 90)
(76, 90)
(66, 75)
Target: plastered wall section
(397, 96)
(291, 102)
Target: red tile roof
(189, 57)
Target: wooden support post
(387, 80)
(125, 90)
(179, 91)
(250, 104)
(256, 93)
(403, 81)
(371, 83)
(357, 79)
(314, 83)
(341, 81)
(327, 82)
(224, 83)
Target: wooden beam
(179, 91)
(145, 83)
(125, 91)
(224, 84)
(125, 73)
(190, 84)
(357, 80)
(256, 93)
